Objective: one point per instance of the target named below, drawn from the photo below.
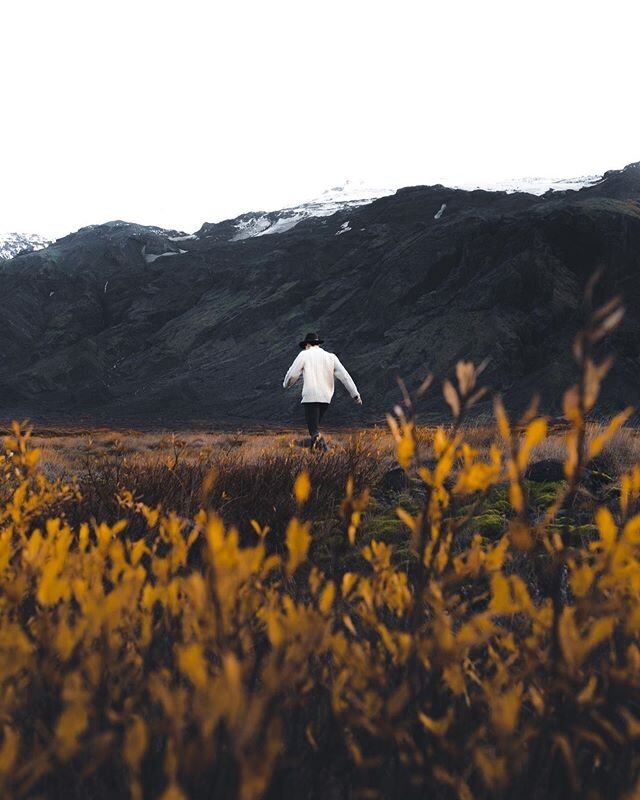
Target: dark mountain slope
(121, 321)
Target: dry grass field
(69, 451)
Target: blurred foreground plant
(174, 662)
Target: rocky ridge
(126, 322)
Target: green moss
(576, 534)
(542, 494)
(490, 524)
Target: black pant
(313, 413)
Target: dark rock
(549, 470)
(395, 480)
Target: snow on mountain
(13, 243)
(350, 195)
(339, 198)
(536, 186)
(353, 194)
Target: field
(451, 612)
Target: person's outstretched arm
(294, 371)
(343, 376)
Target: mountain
(121, 322)
(12, 244)
(262, 223)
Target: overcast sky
(176, 113)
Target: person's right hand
(357, 400)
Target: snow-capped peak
(349, 195)
(13, 243)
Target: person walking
(318, 369)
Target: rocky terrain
(125, 322)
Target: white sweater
(318, 368)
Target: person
(318, 369)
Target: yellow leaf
(516, 498)
(581, 580)
(349, 580)
(504, 709)
(453, 677)
(8, 749)
(83, 537)
(502, 420)
(275, 631)
(52, 588)
(575, 646)
(440, 442)
(501, 600)
(571, 405)
(437, 726)
(536, 431)
(606, 527)
(192, 664)
(302, 488)
(406, 449)
(451, 396)
(409, 521)
(173, 792)
(137, 551)
(298, 540)
(327, 597)
(462, 790)
(476, 478)
(348, 623)
(215, 535)
(151, 515)
(595, 373)
(71, 724)
(589, 690)
(393, 426)
(136, 740)
(537, 699)
(494, 558)
(492, 767)
(261, 531)
(466, 374)
(632, 723)
(599, 441)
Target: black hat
(310, 338)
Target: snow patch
(150, 258)
(343, 228)
(182, 238)
(537, 186)
(283, 224)
(440, 212)
(249, 228)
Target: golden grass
(66, 451)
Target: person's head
(310, 340)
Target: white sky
(175, 113)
